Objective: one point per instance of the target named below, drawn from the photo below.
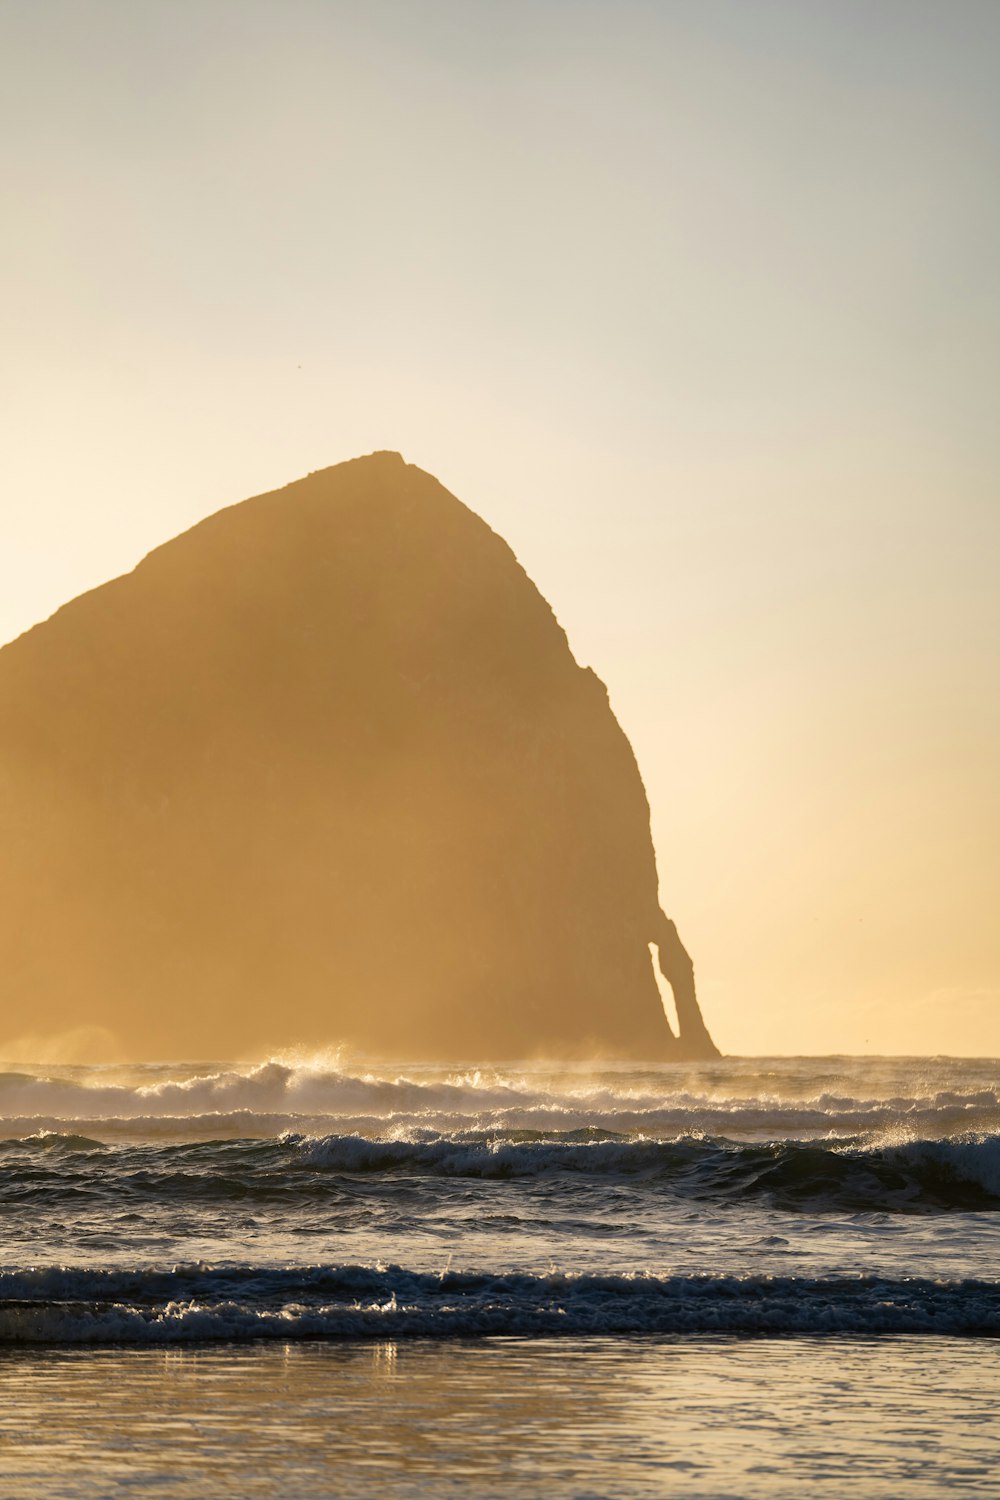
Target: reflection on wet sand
(636, 1417)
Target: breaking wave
(912, 1177)
(198, 1303)
(920, 1175)
(630, 1179)
(275, 1096)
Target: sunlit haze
(695, 303)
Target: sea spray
(329, 1196)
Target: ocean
(325, 1276)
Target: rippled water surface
(635, 1417)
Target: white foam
(282, 1094)
(190, 1304)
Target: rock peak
(321, 771)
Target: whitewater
(327, 1276)
(298, 1198)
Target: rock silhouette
(323, 770)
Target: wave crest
(198, 1303)
(794, 1176)
(282, 1094)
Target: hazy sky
(697, 302)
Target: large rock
(323, 769)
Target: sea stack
(323, 770)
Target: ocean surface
(319, 1276)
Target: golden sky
(695, 301)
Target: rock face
(323, 769)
